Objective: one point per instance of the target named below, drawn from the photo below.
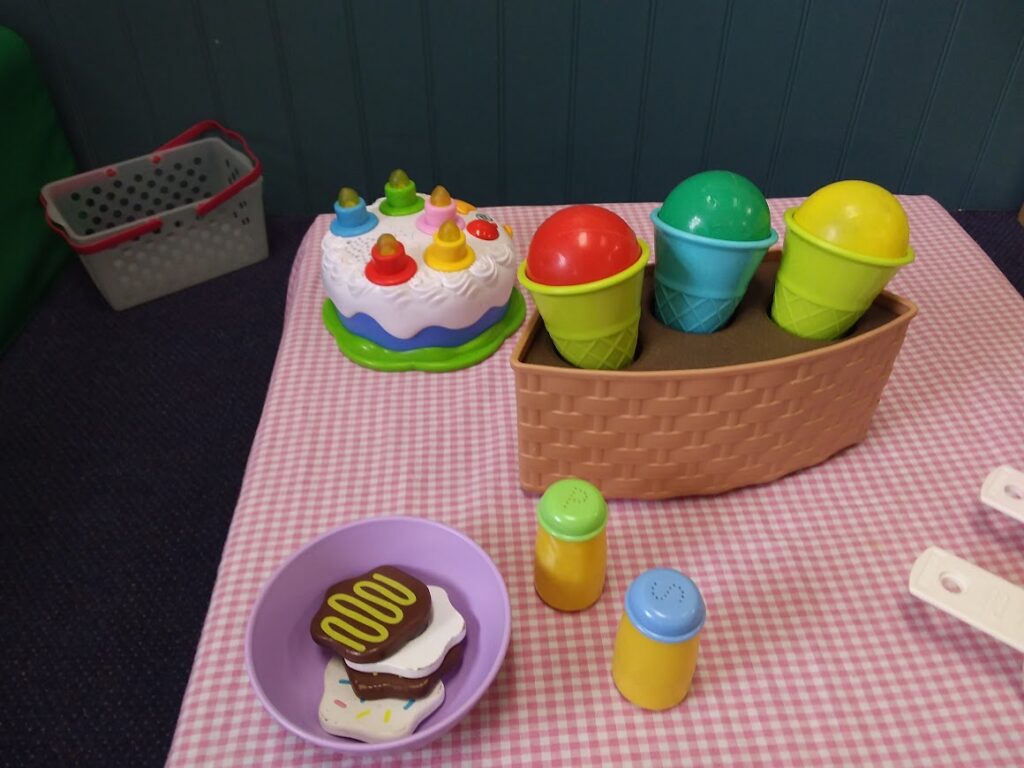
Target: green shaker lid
(572, 510)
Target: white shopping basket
(189, 211)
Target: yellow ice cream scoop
(857, 216)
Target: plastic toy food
(571, 550)
(857, 216)
(711, 234)
(581, 244)
(382, 685)
(658, 637)
(423, 654)
(721, 205)
(369, 617)
(394, 639)
(585, 272)
(843, 244)
(417, 282)
(344, 713)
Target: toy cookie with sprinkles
(367, 618)
(381, 685)
(344, 713)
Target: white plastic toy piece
(1003, 490)
(971, 594)
(423, 655)
(343, 713)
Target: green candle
(400, 198)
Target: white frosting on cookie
(342, 713)
(423, 654)
(448, 299)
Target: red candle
(389, 264)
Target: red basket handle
(235, 187)
(142, 228)
(154, 223)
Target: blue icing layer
(432, 336)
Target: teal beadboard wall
(530, 101)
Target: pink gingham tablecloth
(813, 653)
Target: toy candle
(400, 198)
(390, 264)
(439, 208)
(571, 551)
(350, 215)
(449, 251)
(656, 645)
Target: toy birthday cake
(416, 281)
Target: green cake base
(370, 355)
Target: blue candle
(350, 215)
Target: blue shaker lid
(665, 605)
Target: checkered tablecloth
(813, 652)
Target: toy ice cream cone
(710, 236)
(842, 246)
(699, 281)
(588, 289)
(593, 325)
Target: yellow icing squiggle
(371, 618)
(393, 615)
(406, 596)
(328, 624)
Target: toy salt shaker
(571, 550)
(656, 645)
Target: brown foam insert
(750, 336)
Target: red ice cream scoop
(581, 244)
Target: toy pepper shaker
(571, 549)
(656, 646)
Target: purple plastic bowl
(286, 667)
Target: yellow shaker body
(649, 673)
(569, 575)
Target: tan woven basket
(657, 434)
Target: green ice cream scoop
(721, 205)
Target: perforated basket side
(173, 216)
(187, 250)
(662, 434)
(95, 204)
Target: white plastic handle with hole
(971, 594)
(1003, 490)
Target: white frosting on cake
(430, 298)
